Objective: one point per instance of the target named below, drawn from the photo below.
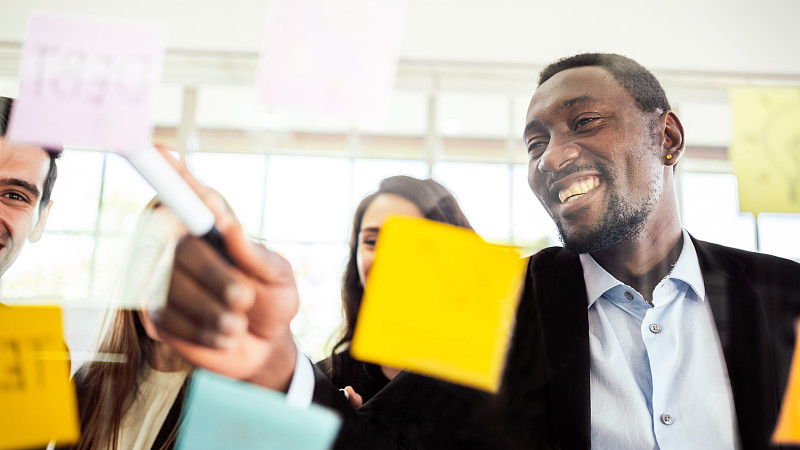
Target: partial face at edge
(594, 158)
(382, 206)
(23, 170)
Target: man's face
(593, 158)
(23, 170)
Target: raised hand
(232, 320)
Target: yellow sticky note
(38, 399)
(439, 301)
(765, 149)
(788, 429)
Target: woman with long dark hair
(399, 195)
(130, 397)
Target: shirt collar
(687, 269)
(597, 280)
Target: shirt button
(666, 419)
(655, 328)
(628, 295)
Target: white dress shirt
(658, 377)
(301, 387)
(142, 422)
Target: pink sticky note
(87, 82)
(331, 57)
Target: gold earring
(669, 156)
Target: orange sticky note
(788, 429)
(439, 301)
(38, 398)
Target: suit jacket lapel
(557, 284)
(744, 337)
(559, 287)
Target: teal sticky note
(222, 413)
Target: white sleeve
(301, 388)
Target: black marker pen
(176, 195)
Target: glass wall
(294, 182)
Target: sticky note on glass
(87, 82)
(765, 149)
(788, 429)
(439, 301)
(331, 57)
(222, 413)
(38, 399)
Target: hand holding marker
(178, 196)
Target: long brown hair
(433, 200)
(109, 388)
(106, 390)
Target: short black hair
(638, 81)
(47, 188)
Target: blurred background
(465, 74)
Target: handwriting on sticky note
(439, 301)
(87, 82)
(38, 399)
(77, 75)
(16, 353)
(221, 413)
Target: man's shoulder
(710, 249)
(554, 263)
(772, 279)
(553, 256)
(747, 265)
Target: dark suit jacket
(365, 378)
(545, 402)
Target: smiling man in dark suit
(653, 339)
(633, 335)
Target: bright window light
(76, 192)
(318, 268)
(531, 224)
(307, 199)
(711, 210)
(778, 234)
(482, 190)
(125, 193)
(239, 178)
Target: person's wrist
(278, 367)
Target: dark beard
(622, 223)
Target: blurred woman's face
(374, 215)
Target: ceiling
(475, 53)
(726, 36)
